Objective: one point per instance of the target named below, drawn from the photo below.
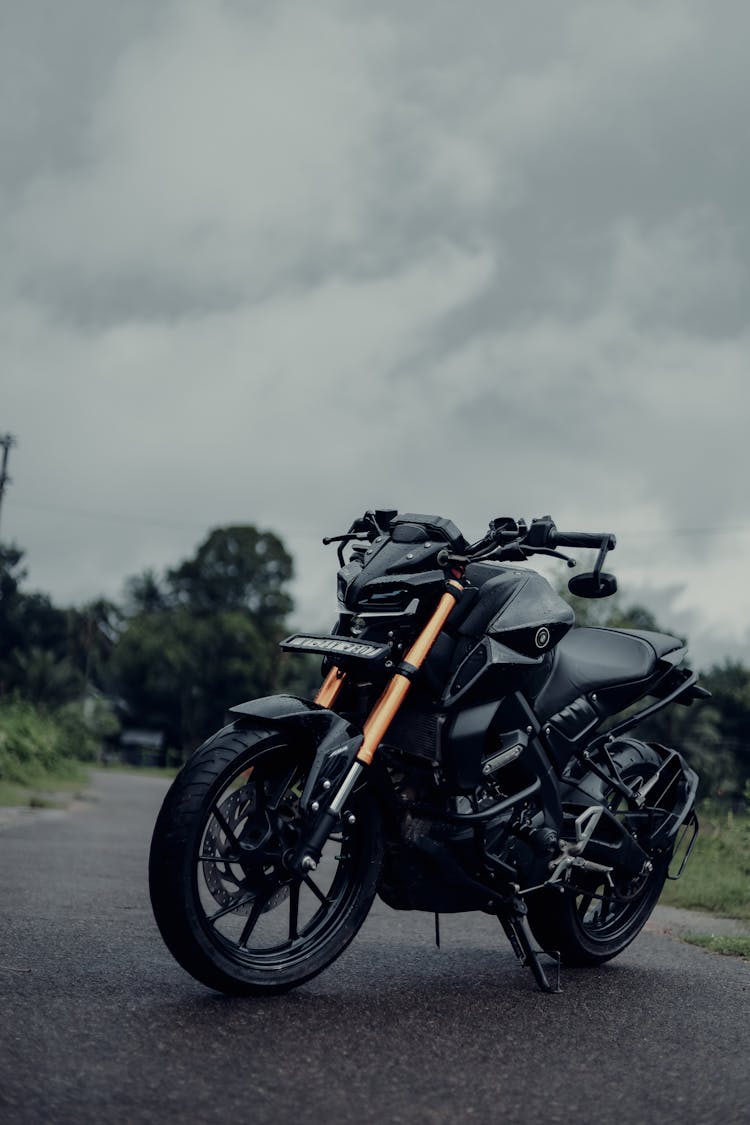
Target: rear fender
(663, 803)
(334, 739)
(674, 767)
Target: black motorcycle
(461, 754)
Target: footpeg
(571, 854)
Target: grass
(716, 943)
(717, 876)
(12, 795)
(49, 791)
(54, 791)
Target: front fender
(334, 739)
(284, 711)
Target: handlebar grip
(593, 539)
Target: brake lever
(342, 541)
(551, 553)
(495, 551)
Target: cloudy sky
(281, 262)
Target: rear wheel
(229, 908)
(597, 917)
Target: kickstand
(520, 937)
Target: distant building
(142, 747)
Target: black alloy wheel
(597, 916)
(229, 906)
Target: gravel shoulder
(673, 921)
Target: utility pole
(7, 441)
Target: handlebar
(539, 537)
(542, 534)
(515, 540)
(593, 539)
(506, 538)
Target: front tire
(229, 909)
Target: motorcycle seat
(588, 659)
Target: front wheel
(229, 909)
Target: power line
(623, 534)
(655, 532)
(109, 517)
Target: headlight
(357, 626)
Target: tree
(179, 672)
(92, 632)
(11, 575)
(729, 684)
(33, 635)
(206, 635)
(45, 679)
(236, 568)
(187, 646)
(145, 593)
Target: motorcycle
(463, 753)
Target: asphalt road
(100, 1025)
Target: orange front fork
(330, 687)
(387, 707)
(374, 729)
(390, 701)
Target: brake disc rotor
(227, 882)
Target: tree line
(180, 647)
(172, 655)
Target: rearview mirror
(593, 585)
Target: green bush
(35, 745)
(81, 729)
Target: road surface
(99, 1024)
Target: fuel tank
(515, 622)
(517, 607)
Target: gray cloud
(283, 263)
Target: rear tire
(230, 911)
(596, 923)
